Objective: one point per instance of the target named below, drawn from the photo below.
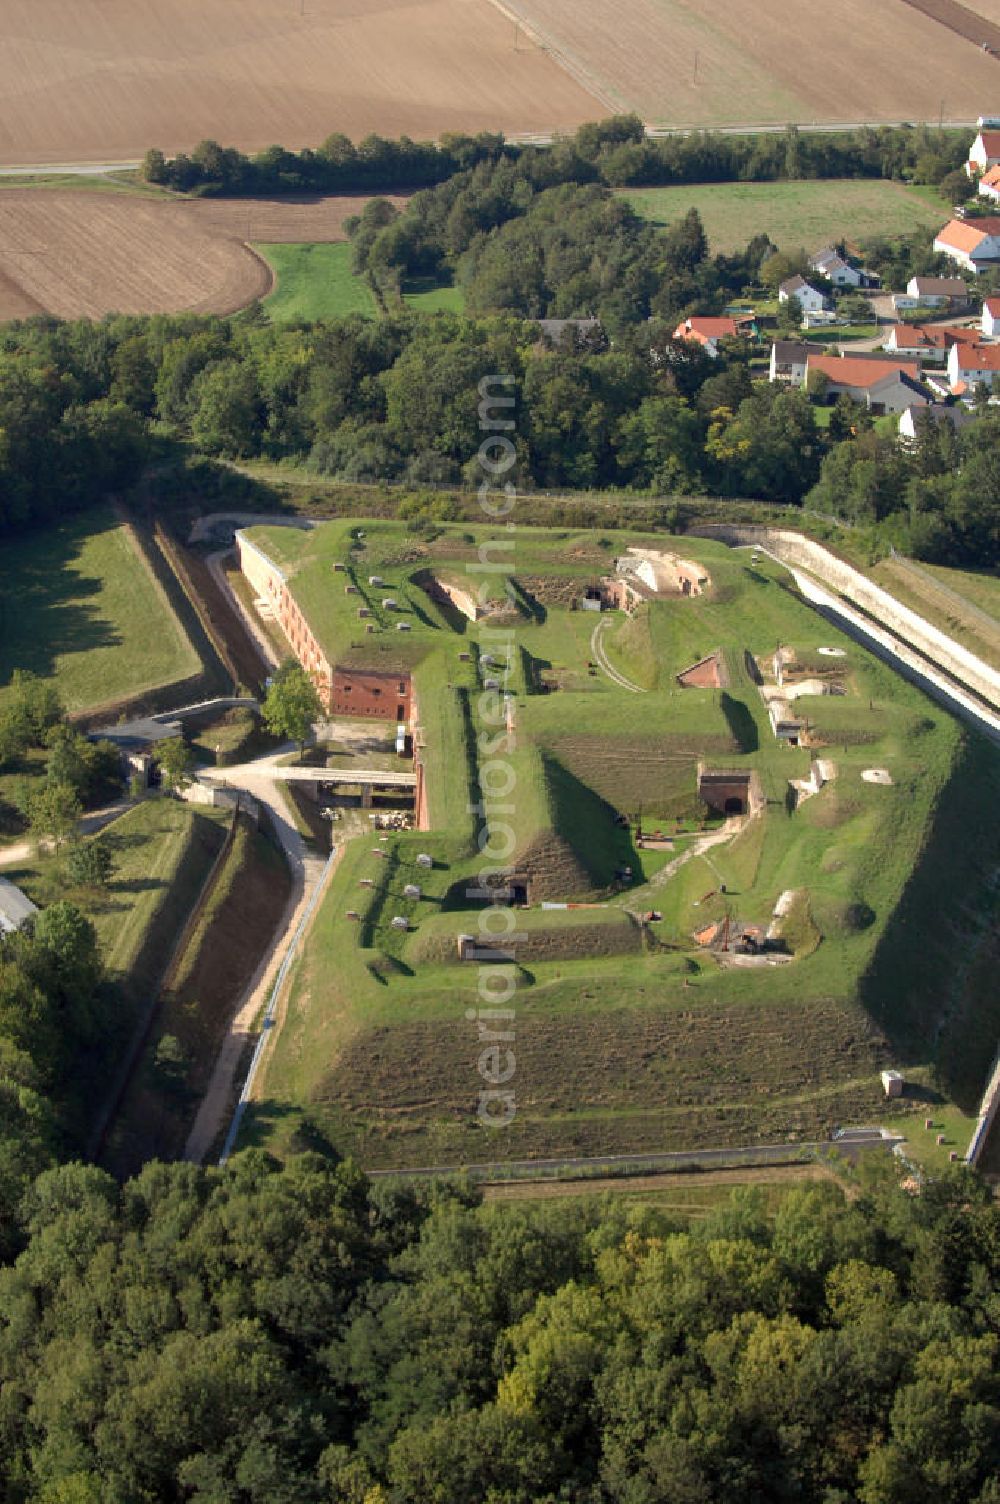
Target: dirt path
(22, 851)
(631, 1184)
(306, 867)
(598, 650)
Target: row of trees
(614, 151)
(267, 1335)
(397, 399)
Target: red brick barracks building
(344, 691)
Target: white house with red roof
(970, 366)
(927, 343)
(708, 331)
(984, 152)
(989, 184)
(972, 243)
(990, 322)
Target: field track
(84, 254)
(961, 20)
(699, 63)
(103, 80)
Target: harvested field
(961, 20)
(102, 80)
(692, 62)
(87, 254)
(84, 254)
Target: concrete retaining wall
(794, 549)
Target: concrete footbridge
(376, 778)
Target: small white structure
(389, 603)
(402, 626)
(400, 922)
(892, 1083)
(411, 890)
(375, 579)
(877, 775)
(424, 859)
(820, 318)
(16, 908)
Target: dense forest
(396, 400)
(615, 152)
(297, 1335)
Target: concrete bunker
(729, 791)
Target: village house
(830, 264)
(990, 321)
(989, 185)
(935, 292)
(929, 344)
(809, 299)
(970, 366)
(940, 412)
(883, 386)
(789, 358)
(984, 152)
(708, 331)
(972, 243)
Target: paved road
(307, 868)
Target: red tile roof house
(990, 323)
(973, 243)
(883, 386)
(989, 184)
(973, 365)
(931, 343)
(984, 152)
(707, 331)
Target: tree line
(296, 1334)
(396, 399)
(615, 152)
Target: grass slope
(794, 214)
(314, 281)
(80, 606)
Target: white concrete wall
(844, 580)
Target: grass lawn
(627, 1043)
(162, 851)
(796, 214)
(314, 280)
(426, 296)
(80, 606)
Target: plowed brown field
(84, 254)
(102, 80)
(746, 62)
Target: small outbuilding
(892, 1083)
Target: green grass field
(81, 607)
(795, 214)
(630, 1043)
(162, 850)
(314, 281)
